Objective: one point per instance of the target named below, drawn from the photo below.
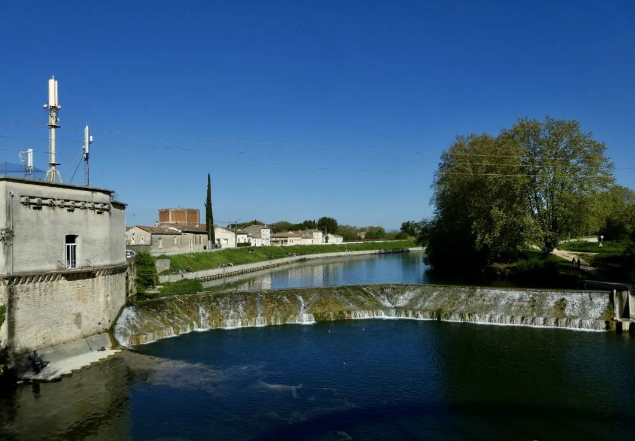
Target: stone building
(175, 239)
(259, 235)
(62, 262)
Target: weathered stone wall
(155, 319)
(51, 309)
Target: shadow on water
(92, 404)
(459, 421)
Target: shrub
(146, 271)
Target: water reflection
(91, 405)
(383, 268)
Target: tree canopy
(327, 223)
(533, 184)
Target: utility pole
(53, 106)
(88, 140)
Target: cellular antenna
(26, 158)
(52, 174)
(88, 140)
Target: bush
(146, 271)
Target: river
(347, 380)
(360, 270)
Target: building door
(71, 251)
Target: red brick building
(183, 216)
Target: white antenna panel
(29, 159)
(53, 93)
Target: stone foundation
(46, 310)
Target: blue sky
(382, 87)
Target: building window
(71, 250)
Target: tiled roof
(255, 230)
(286, 234)
(187, 229)
(156, 230)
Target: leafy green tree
(281, 226)
(348, 232)
(535, 183)
(620, 219)
(411, 228)
(309, 225)
(480, 213)
(327, 224)
(566, 173)
(146, 271)
(209, 216)
(375, 233)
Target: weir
(152, 320)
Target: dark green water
(359, 380)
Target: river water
(405, 268)
(355, 380)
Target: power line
(383, 160)
(271, 143)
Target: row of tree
(532, 185)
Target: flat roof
(59, 185)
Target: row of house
(180, 231)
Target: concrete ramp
(66, 358)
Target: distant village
(179, 230)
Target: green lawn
(238, 256)
(594, 247)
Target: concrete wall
(42, 214)
(47, 310)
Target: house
(175, 239)
(242, 237)
(62, 261)
(259, 235)
(333, 239)
(286, 238)
(311, 237)
(225, 238)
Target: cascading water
(151, 320)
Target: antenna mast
(53, 105)
(26, 158)
(88, 140)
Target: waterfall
(303, 317)
(155, 319)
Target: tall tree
(534, 184)
(327, 224)
(209, 216)
(567, 173)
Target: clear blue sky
(388, 82)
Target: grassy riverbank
(535, 270)
(239, 256)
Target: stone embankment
(155, 319)
(221, 273)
